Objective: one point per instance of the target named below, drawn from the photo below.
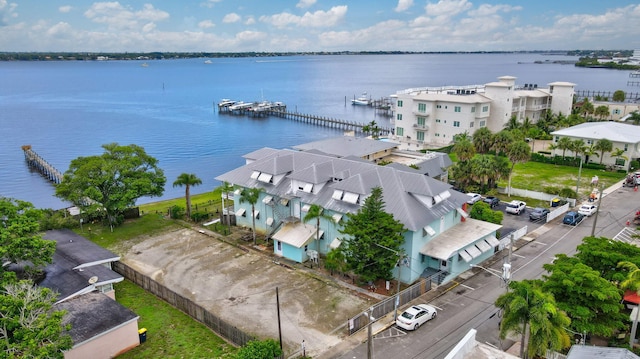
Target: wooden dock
(36, 161)
(329, 122)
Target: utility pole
(595, 218)
(369, 335)
(279, 326)
(578, 182)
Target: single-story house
(623, 136)
(81, 273)
(439, 238)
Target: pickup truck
(516, 207)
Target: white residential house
(429, 117)
(440, 239)
(624, 136)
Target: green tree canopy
(464, 150)
(20, 239)
(601, 112)
(502, 141)
(30, 328)
(260, 349)
(187, 180)
(372, 240)
(530, 311)
(106, 185)
(483, 140)
(619, 96)
(592, 302)
(603, 255)
(483, 212)
(316, 213)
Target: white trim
(267, 199)
(493, 242)
(337, 194)
(256, 214)
(240, 212)
(350, 197)
(467, 258)
(306, 208)
(483, 246)
(337, 217)
(462, 212)
(265, 177)
(255, 174)
(473, 251)
(429, 230)
(335, 243)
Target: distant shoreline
(144, 56)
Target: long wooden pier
(36, 161)
(328, 122)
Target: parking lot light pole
(595, 217)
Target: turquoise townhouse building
(440, 238)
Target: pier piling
(34, 160)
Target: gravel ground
(239, 285)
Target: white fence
(534, 194)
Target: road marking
(518, 255)
(466, 286)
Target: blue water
(69, 109)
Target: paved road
(469, 304)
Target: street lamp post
(369, 333)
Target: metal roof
(400, 187)
(612, 131)
(347, 146)
(592, 352)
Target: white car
(473, 198)
(415, 316)
(516, 207)
(587, 209)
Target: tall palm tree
(501, 141)
(618, 153)
(187, 180)
(603, 145)
(512, 124)
(529, 311)
(519, 152)
(564, 144)
(251, 196)
(635, 117)
(316, 212)
(464, 150)
(482, 140)
(632, 282)
(225, 188)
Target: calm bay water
(69, 109)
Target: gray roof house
(593, 352)
(624, 136)
(439, 238)
(81, 274)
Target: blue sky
(317, 25)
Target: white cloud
(448, 8)
(209, 3)
(231, 18)
(149, 27)
(316, 19)
(65, 9)
(487, 9)
(303, 4)
(403, 5)
(61, 28)
(119, 17)
(206, 24)
(250, 20)
(7, 11)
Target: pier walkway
(329, 122)
(34, 160)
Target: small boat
(145, 64)
(363, 100)
(208, 62)
(226, 102)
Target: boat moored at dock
(363, 100)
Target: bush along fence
(219, 326)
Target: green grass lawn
(170, 332)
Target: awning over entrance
(296, 234)
(458, 237)
(335, 243)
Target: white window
(350, 197)
(337, 194)
(265, 177)
(255, 174)
(308, 187)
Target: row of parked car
(518, 207)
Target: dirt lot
(239, 285)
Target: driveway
(239, 285)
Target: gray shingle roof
(400, 187)
(93, 314)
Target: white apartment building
(429, 117)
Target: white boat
(208, 62)
(226, 102)
(145, 64)
(363, 100)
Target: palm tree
(464, 150)
(226, 187)
(632, 282)
(590, 151)
(187, 180)
(372, 128)
(602, 112)
(481, 169)
(251, 196)
(529, 311)
(635, 117)
(482, 140)
(512, 124)
(519, 152)
(316, 212)
(501, 141)
(618, 153)
(564, 144)
(603, 145)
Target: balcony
(421, 126)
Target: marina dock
(36, 161)
(278, 109)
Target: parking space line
(518, 255)
(466, 286)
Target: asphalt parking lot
(513, 222)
